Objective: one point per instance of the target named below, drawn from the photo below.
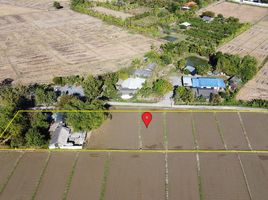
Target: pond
(170, 38)
(194, 61)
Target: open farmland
(118, 14)
(255, 43)
(37, 45)
(244, 13)
(150, 174)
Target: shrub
(57, 5)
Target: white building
(63, 138)
(129, 87)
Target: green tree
(202, 69)
(109, 85)
(34, 138)
(92, 87)
(44, 95)
(248, 68)
(58, 80)
(215, 98)
(183, 94)
(181, 64)
(162, 86)
(57, 5)
(85, 121)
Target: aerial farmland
(38, 42)
(185, 155)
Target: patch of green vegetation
(105, 177)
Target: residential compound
(204, 86)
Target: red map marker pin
(146, 118)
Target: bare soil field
(182, 179)
(153, 136)
(207, 134)
(256, 170)
(121, 132)
(8, 162)
(10, 10)
(256, 126)
(257, 88)
(114, 13)
(232, 131)
(24, 180)
(179, 131)
(222, 177)
(244, 13)
(36, 4)
(53, 183)
(88, 176)
(255, 43)
(136, 176)
(36, 46)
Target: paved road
(194, 107)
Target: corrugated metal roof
(133, 83)
(208, 82)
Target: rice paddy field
(154, 166)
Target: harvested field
(139, 10)
(40, 4)
(222, 177)
(257, 88)
(114, 13)
(153, 136)
(53, 183)
(88, 176)
(228, 9)
(207, 134)
(255, 43)
(179, 131)
(256, 170)
(183, 179)
(8, 162)
(37, 46)
(136, 176)
(121, 132)
(25, 178)
(256, 126)
(232, 131)
(11, 10)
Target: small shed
(185, 25)
(191, 69)
(207, 19)
(187, 81)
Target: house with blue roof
(208, 83)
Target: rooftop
(200, 82)
(133, 83)
(71, 90)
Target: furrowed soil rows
(256, 170)
(8, 161)
(136, 176)
(37, 46)
(228, 9)
(23, 182)
(121, 132)
(183, 178)
(222, 177)
(153, 136)
(232, 131)
(179, 131)
(256, 126)
(87, 177)
(207, 133)
(55, 177)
